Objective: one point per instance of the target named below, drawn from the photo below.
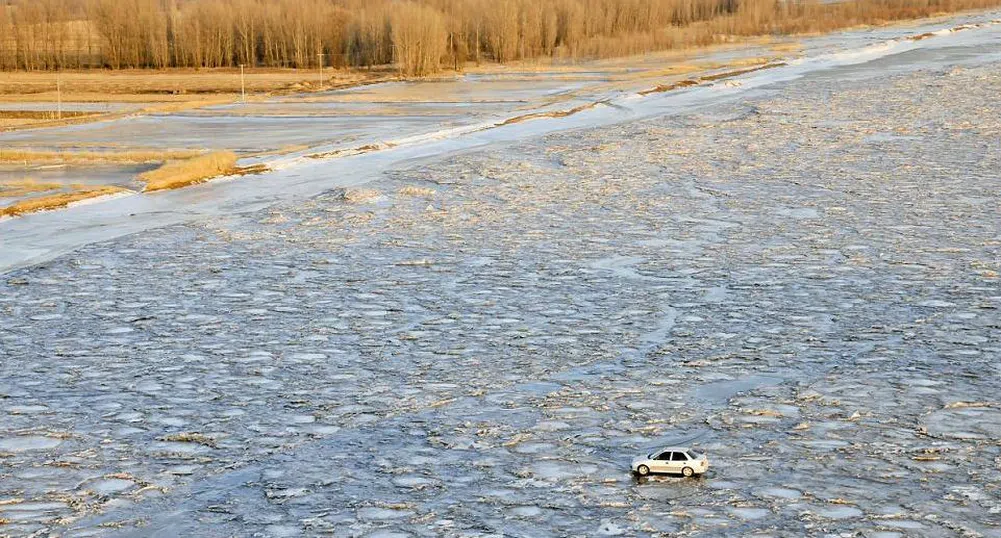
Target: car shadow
(666, 478)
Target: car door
(678, 462)
(662, 463)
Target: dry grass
(43, 114)
(53, 120)
(177, 174)
(169, 85)
(19, 156)
(24, 187)
(56, 201)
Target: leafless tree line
(419, 37)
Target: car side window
(664, 456)
(678, 456)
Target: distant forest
(418, 37)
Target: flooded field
(267, 128)
(357, 116)
(801, 280)
(99, 174)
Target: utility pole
(319, 56)
(243, 87)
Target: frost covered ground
(804, 284)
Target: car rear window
(694, 455)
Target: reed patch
(177, 174)
(57, 201)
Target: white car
(673, 459)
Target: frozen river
(796, 271)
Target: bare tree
(415, 35)
(420, 39)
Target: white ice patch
(27, 443)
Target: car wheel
(687, 471)
(642, 470)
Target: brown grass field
(155, 92)
(43, 114)
(169, 85)
(18, 156)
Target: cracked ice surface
(804, 285)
